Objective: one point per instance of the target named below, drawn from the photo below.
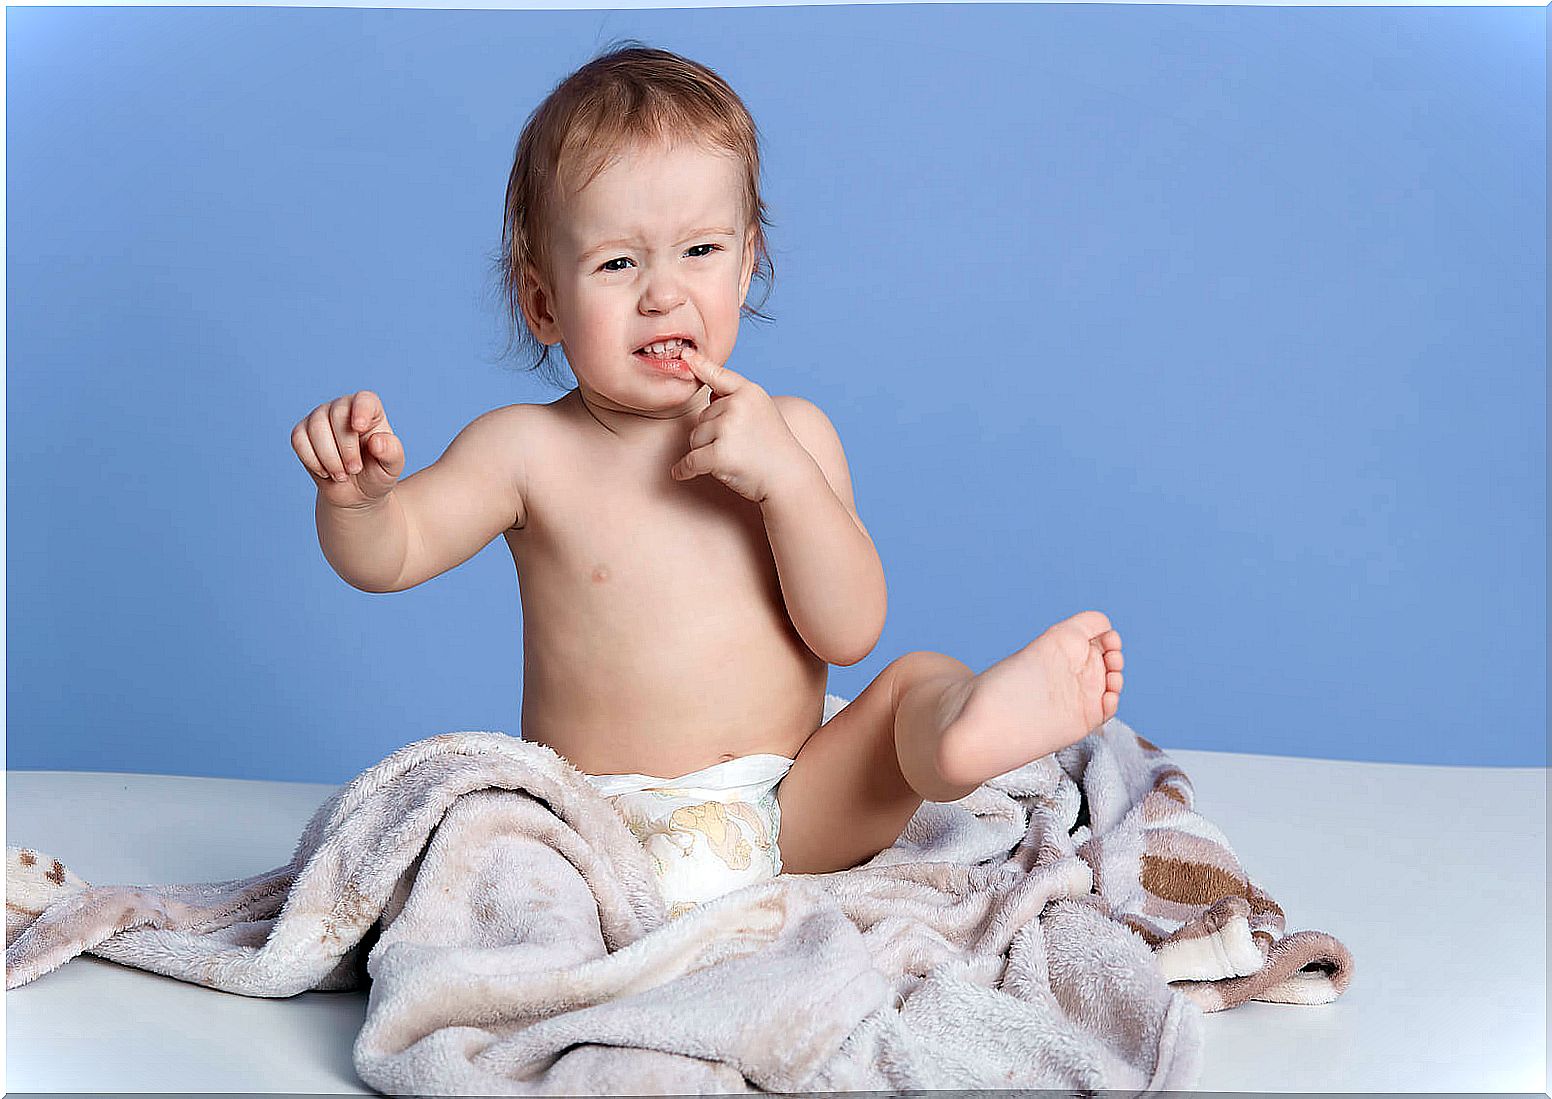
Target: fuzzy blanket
(1063, 926)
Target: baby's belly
(670, 699)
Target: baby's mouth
(664, 352)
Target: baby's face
(656, 244)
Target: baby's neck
(645, 428)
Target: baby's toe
(1113, 683)
(1114, 661)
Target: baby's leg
(929, 728)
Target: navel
(600, 573)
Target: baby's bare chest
(633, 559)
(654, 626)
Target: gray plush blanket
(1063, 926)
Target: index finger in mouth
(722, 380)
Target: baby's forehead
(691, 177)
(620, 205)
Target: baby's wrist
(364, 507)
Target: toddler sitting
(688, 549)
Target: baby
(689, 553)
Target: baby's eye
(624, 259)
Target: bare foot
(1054, 691)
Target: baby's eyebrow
(708, 231)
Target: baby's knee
(921, 665)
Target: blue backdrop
(1229, 322)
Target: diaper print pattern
(648, 829)
(720, 844)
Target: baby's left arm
(831, 577)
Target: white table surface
(1433, 877)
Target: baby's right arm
(381, 534)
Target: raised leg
(928, 728)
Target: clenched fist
(348, 447)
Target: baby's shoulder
(809, 424)
(522, 419)
(506, 443)
(504, 435)
(519, 433)
(507, 428)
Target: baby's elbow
(369, 589)
(373, 587)
(860, 652)
(847, 658)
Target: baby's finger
(386, 450)
(366, 411)
(345, 436)
(320, 432)
(693, 464)
(304, 452)
(705, 432)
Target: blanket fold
(1063, 926)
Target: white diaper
(708, 832)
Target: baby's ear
(746, 276)
(534, 299)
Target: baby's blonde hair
(632, 94)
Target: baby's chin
(653, 400)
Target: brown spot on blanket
(1187, 882)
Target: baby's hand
(348, 473)
(741, 438)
